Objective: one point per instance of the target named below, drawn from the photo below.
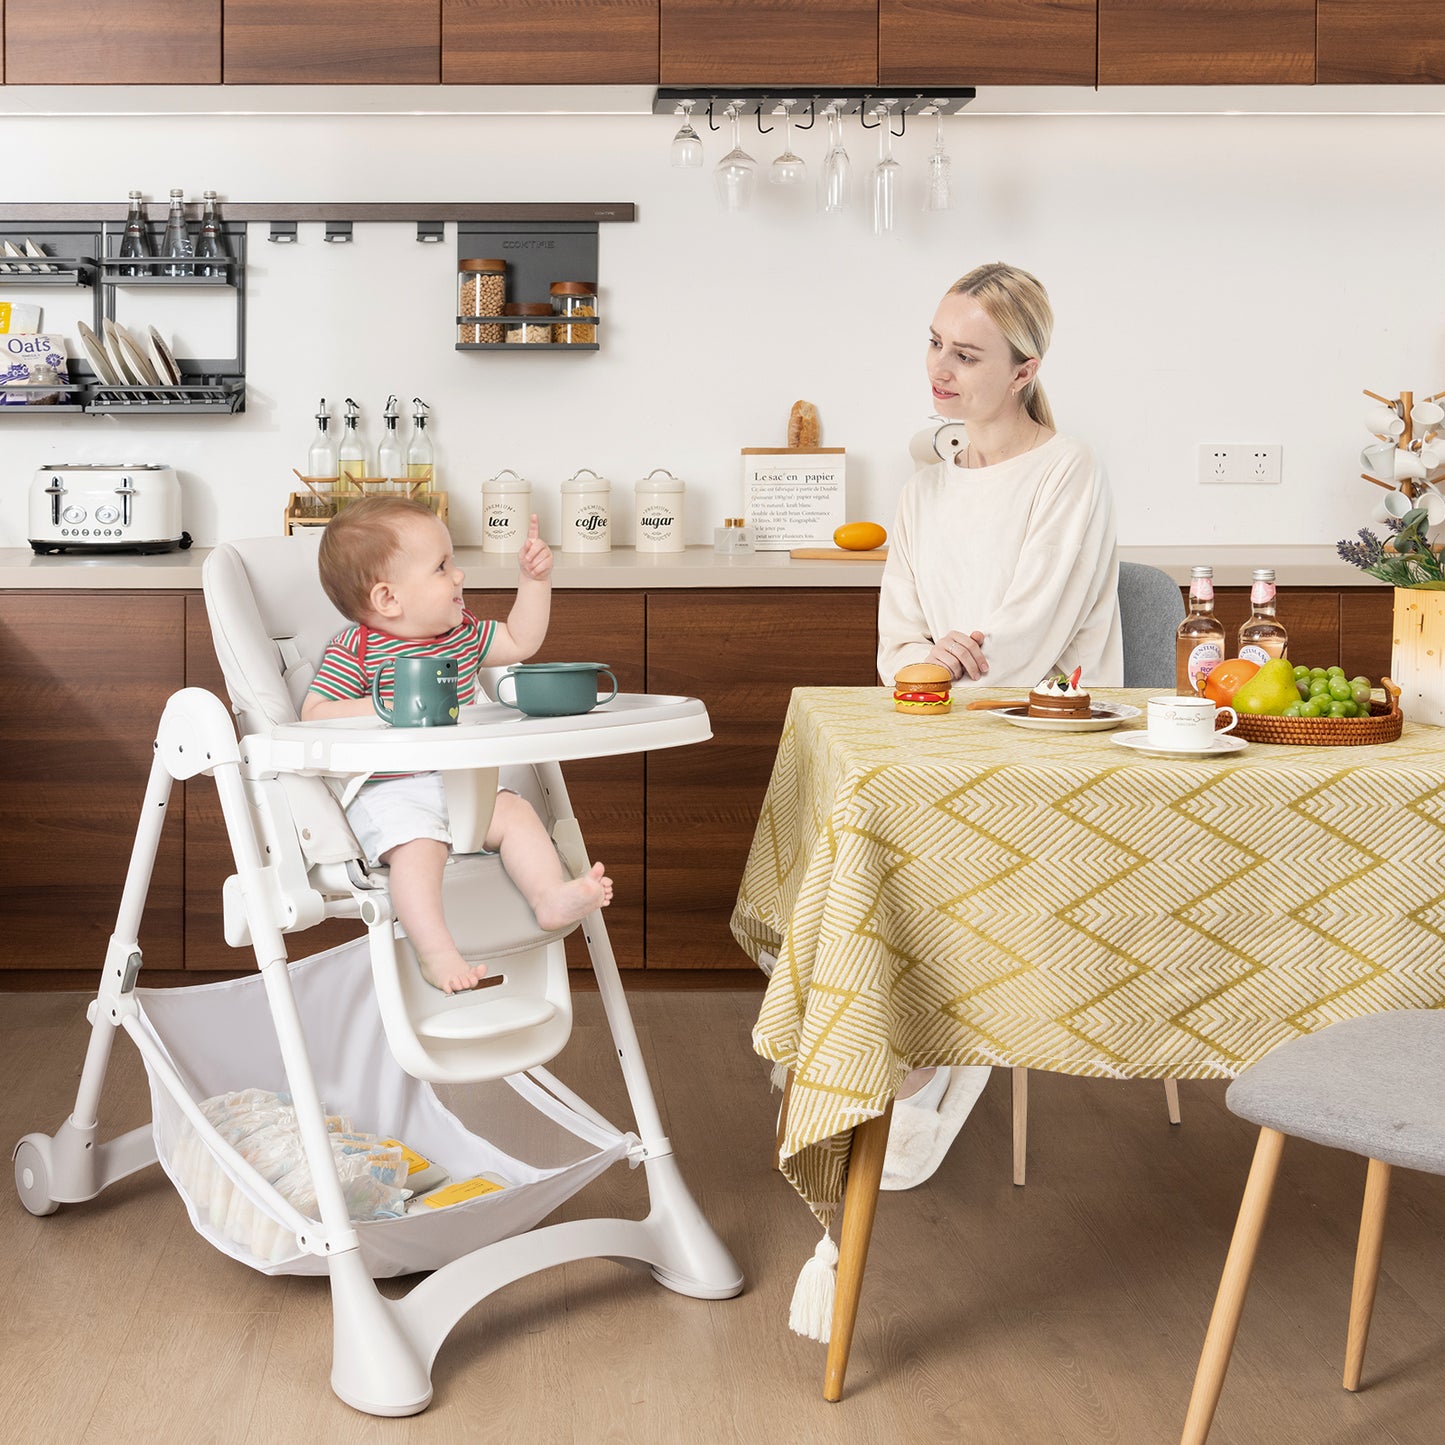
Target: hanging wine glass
(938, 192)
(885, 177)
(835, 181)
(735, 172)
(788, 169)
(686, 144)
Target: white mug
(1186, 724)
(1427, 414)
(1385, 421)
(1379, 460)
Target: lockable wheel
(32, 1177)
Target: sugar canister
(586, 513)
(506, 511)
(659, 512)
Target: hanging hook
(863, 115)
(710, 125)
(902, 123)
(761, 131)
(812, 118)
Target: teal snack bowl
(555, 689)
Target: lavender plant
(1413, 562)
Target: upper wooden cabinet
(1206, 42)
(332, 42)
(996, 42)
(1361, 42)
(769, 42)
(112, 42)
(549, 42)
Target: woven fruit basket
(1382, 726)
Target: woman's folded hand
(962, 654)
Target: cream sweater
(1023, 552)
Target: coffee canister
(506, 511)
(659, 512)
(586, 513)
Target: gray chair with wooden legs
(1151, 607)
(1373, 1086)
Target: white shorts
(392, 811)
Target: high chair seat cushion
(1373, 1085)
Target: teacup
(1186, 724)
(423, 692)
(555, 689)
(1385, 421)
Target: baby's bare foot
(572, 900)
(453, 975)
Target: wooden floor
(1069, 1311)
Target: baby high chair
(314, 1029)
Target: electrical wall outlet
(1239, 464)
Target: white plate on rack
(166, 368)
(1221, 745)
(11, 249)
(31, 249)
(1102, 717)
(137, 361)
(95, 350)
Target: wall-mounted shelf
(81, 243)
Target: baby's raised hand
(535, 557)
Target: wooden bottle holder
(324, 497)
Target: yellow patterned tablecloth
(956, 890)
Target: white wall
(1215, 278)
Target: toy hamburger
(923, 688)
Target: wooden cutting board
(837, 554)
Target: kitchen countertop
(1295, 566)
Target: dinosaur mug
(424, 692)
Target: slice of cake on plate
(1060, 697)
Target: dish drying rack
(324, 497)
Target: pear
(1269, 691)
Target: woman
(1002, 562)
(1001, 566)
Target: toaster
(88, 507)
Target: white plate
(1105, 715)
(166, 367)
(1223, 743)
(11, 249)
(138, 361)
(95, 350)
(119, 361)
(31, 249)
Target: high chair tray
(487, 736)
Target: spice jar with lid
(586, 512)
(523, 324)
(659, 512)
(575, 300)
(506, 511)
(481, 291)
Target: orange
(1226, 678)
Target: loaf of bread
(803, 425)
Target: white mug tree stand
(383, 1349)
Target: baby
(387, 563)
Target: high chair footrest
(486, 1018)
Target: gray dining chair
(1373, 1086)
(1151, 607)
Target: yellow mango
(859, 536)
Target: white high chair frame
(274, 807)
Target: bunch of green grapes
(1327, 692)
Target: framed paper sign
(792, 496)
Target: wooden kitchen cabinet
(1206, 42)
(1361, 42)
(549, 42)
(988, 42)
(742, 653)
(86, 676)
(769, 42)
(332, 42)
(112, 42)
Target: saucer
(1222, 743)
(1102, 717)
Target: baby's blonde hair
(358, 546)
(1018, 305)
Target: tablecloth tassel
(812, 1312)
(778, 1078)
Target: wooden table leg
(860, 1203)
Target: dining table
(973, 888)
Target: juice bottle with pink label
(1199, 643)
(1262, 638)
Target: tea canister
(659, 512)
(506, 511)
(586, 513)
